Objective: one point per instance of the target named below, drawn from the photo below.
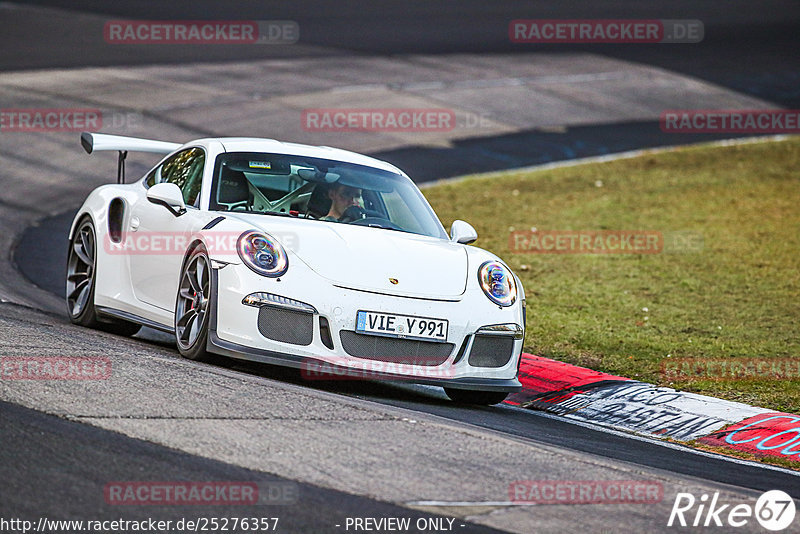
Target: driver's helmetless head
(342, 197)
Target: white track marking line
(607, 158)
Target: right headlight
(262, 253)
(498, 283)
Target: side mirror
(168, 195)
(462, 232)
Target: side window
(184, 169)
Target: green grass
(737, 297)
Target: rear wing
(95, 141)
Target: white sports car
(309, 257)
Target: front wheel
(480, 398)
(193, 305)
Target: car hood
(372, 259)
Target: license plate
(405, 326)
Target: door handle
(134, 223)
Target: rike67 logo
(774, 510)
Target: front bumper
(466, 362)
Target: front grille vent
(491, 351)
(287, 326)
(395, 350)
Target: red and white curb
(617, 402)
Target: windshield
(325, 190)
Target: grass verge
(732, 295)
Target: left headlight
(262, 253)
(498, 283)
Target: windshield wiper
(385, 227)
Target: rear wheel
(81, 271)
(193, 305)
(481, 398)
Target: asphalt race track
(346, 449)
(89, 453)
(750, 48)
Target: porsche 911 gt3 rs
(310, 257)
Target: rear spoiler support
(121, 166)
(95, 141)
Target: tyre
(481, 398)
(81, 275)
(193, 305)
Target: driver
(342, 197)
